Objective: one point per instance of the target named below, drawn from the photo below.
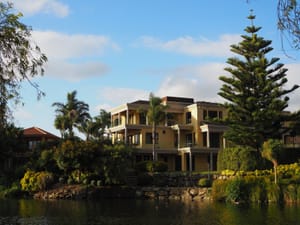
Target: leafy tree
(20, 59)
(70, 115)
(155, 114)
(116, 161)
(95, 128)
(288, 12)
(255, 94)
(271, 151)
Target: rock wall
(159, 193)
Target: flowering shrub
(36, 181)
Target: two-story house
(188, 139)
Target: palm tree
(71, 114)
(95, 128)
(155, 114)
(271, 151)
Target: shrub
(160, 166)
(237, 190)
(257, 188)
(273, 192)
(290, 193)
(144, 179)
(36, 181)
(204, 182)
(218, 192)
(150, 166)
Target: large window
(149, 138)
(212, 114)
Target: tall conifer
(255, 94)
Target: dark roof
(178, 99)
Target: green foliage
(151, 166)
(255, 91)
(237, 190)
(116, 161)
(155, 114)
(20, 59)
(69, 115)
(36, 181)
(204, 182)
(239, 159)
(218, 191)
(273, 192)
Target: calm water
(133, 212)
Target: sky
(114, 52)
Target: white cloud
(117, 96)
(190, 46)
(293, 78)
(200, 82)
(75, 72)
(62, 46)
(32, 7)
(73, 57)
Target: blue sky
(117, 51)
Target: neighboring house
(34, 137)
(188, 139)
(31, 140)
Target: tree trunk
(153, 141)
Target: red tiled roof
(38, 132)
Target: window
(189, 139)
(149, 138)
(212, 114)
(204, 139)
(204, 114)
(188, 117)
(116, 122)
(214, 140)
(142, 118)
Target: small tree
(271, 151)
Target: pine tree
(255, 94)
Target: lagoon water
(142, 212)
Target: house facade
(187, 140)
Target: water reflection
(138, 212)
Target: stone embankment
(91, 192)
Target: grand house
(188, 139)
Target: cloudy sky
(117, 51)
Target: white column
(178, 141)
(207, 139)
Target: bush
(36, 181)
(237, 190)
(204, 182)
(218, 191)
(273, 192)
(144, 179)
(150, 166)
(239, 158)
